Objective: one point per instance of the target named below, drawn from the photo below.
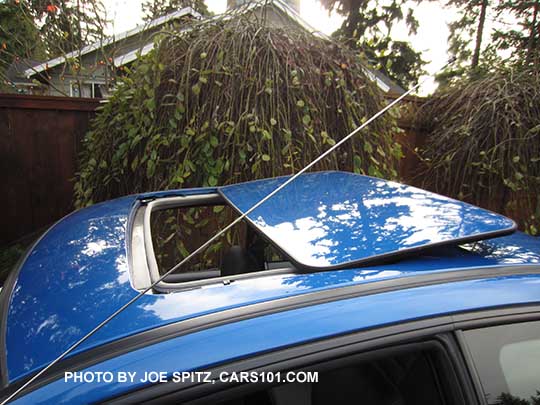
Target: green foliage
(396, 59)
(508, 399)
(177, 232)
(19, 36)
(465, 39)
(67, 25)
(368, 28)
(230, 101)
(523, 38)
(42, 29)
(9, 256)
(156, 8)
(483, 143)
(514, 31)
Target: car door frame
(498, 317)
(444, 330)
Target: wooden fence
(40, 140)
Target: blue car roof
(335, 219)
(240, 339)
(78, 273)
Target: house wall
(64, 83)
(96, 66)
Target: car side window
(408, 378)
(507, 359)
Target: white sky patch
(431, 39)
(216, 6)
(317, 16)
(304, 240)
(124, 14)
(50, 322)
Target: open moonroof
(336, 219)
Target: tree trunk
(531, 45)
(479, 33)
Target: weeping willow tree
(232, 100)
(228, 101)
(483, 144)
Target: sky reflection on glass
(334, 218)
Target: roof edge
(123, 35)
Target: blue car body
(79, 272)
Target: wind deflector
(329, 220)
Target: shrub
(483, 143)
(231, 100)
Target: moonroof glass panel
(338, 219)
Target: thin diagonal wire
(216, 236)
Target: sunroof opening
(178, 230)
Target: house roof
(132, 55)
(383, 82)
(278, 4)
(14, 72)
(187, 11)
